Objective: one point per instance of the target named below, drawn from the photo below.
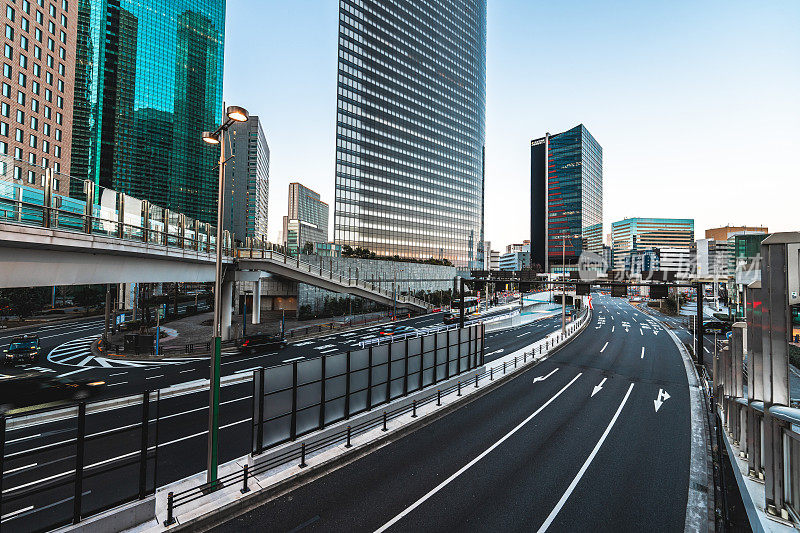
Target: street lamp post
(234, 114)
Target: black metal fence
(84, 467)
(297, 398)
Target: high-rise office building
(566, 198)
(247, 180)
(410, 128)
(723, 233)
(635, 234)
(36, 106)
(307, 221)
(148, 83)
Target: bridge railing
(275, 255)
(35, 196)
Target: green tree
(24, 301)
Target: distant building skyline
(635, 234)
(307, 219)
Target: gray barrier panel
(380, 373)
(453, 351)
(398, 369)
(428, 360)
(308, 371)
(277, 404)
(441, 356)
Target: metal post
(107, 320)
(245, 488)
(260, 427)
(461, 312)
(438, 397)
(348, 445)
(459, 389)
(213, 401)
(303, 455)
(413, 410)
(145, 442)
(293, 423)
(698, 327)
(322, 394)
(79, 451)
(384, 422)
(170, 519)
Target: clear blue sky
(696, 104)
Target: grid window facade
(38, 81)
(247, 180)
(411, 128)
(148, 83)
(632, 234)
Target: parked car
(396, 330)
(35, 388)
(23, 349)
(251, 343)
(716, 326)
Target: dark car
(23, 349)
(35, 388)
(251, 343)
(716, 326)
(396, 330)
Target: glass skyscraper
(148, 83)
(247, 181)
(410, 128)
(566, 197)
(307, 219)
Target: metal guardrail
(78, 455)
(299, 452)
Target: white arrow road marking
(642, 352)
(604, 347)
(542, 378)
(662, 397)
(598, 388)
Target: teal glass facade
(148, 83)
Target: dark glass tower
(148, 83)
(566, 197)
(410, 128)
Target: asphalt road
(37, 454)
(590, 448)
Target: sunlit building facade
(634, 234)
(148, 83)
(411, 127)
(566, 198)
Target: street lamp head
(210, 137)
(239, 114)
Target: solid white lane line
(19, 468)
(642, 352)
(22, 438)
(73, 372)
(467, 466)
(15, 513)
(586, 464)
(117, 374)
(604, 347)
(640, 331)
(184, 371)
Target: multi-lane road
(181, 428)
(602, 444)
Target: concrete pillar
(256, 312)
(226, 309)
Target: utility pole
(394, 296)
(461, 313)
